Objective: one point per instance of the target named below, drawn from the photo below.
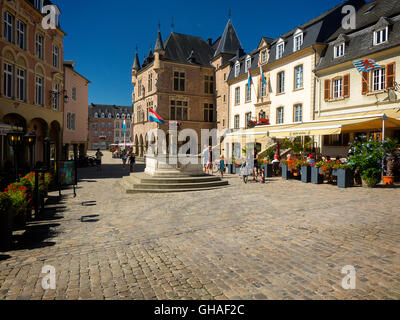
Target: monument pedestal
(166, 174)
(167, 165)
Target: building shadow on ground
(108, 171)
(42, 228)
(35, 236)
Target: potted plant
(391, 162)
(345, 176)
(294, 167)
(305, 171)
(367, 155)
(6, 222)
(20, 200)
(316, 176)
(286, 174)
(266, 166)
(326, 170)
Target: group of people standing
(208, 164)
(131, 158)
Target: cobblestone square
(279, 240)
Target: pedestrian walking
(124, 158)
(204, 158)
(132, 160)
(255, 165)
(222, 166)
(209, 167)
(99, 155)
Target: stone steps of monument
(175, 186)
(129, 187)
(141, 178)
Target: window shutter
(390, 75)
(365, 82)
(346, 86)
(327, 89)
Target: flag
(366, 65)
(250, 79)
(262, 78)
(154, 117)
(124, 125)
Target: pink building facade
(75, 136)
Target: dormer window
(103, 115)
(339, 50)
(248, 64)
(96, 115)
(297, 40)
(237, 69)
(263, 56)
(109, 116)
(380, 36)
(117, 116)
(280, 49)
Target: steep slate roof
(113, 109)
(178, 48)
(254, 64)
(159, 43)
(229, 42)
(359, 42)
(136, 62)
(317, 30)
(380, 8)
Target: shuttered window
(390, 75)
(327, 90)
(365, 82)
(346, 86)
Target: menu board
(66, 173)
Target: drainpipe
(315, 92)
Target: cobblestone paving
(280, 240)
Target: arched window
(96, 115)
(102, 115)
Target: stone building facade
(104, 123)
(178, 82)
(32, 81)
(76, 116)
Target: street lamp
(30, 140)
(15, 139)
(47, 145)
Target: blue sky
(102, 34)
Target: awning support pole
(384, 117)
